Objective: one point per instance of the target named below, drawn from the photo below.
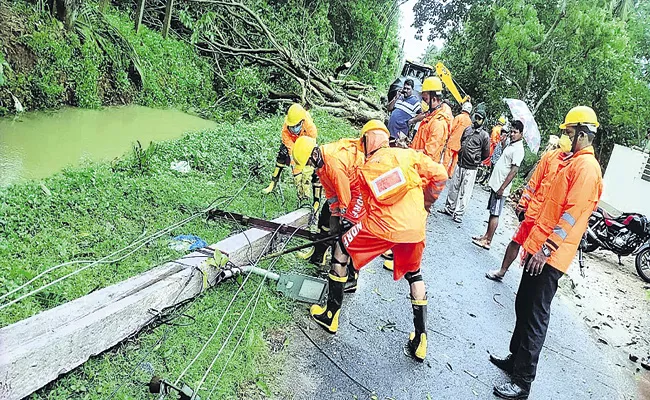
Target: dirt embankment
(19, 57)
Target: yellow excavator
(446, 78)
(418, 72)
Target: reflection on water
(36, 145)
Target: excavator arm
(446, 78)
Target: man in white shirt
(500, 182)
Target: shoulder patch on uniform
(388, 181)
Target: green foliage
(555, 56)
(103, 62)
(5, 70)
(91, 211)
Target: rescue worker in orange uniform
(434, 128)
(336, 166)
(461, 122)
(398, 187)
(550, 247)
(297, 123)
(531, 200)
(495, 138)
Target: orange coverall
(398, 225)
(433, 132)
(339, 176)
(458, 126)
(537, 189)
(495, 138)
(288, 139)
(564, 213)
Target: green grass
(90, 211)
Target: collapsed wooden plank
(35, 351)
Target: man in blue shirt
(404, 109)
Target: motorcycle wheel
(590, 245)
(643, 264)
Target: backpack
(390, 175)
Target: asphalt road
(469, 317)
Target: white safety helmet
(466, 107)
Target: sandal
(493, 277)
(481, 244)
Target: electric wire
(47, 271)
(256, 295)
(160, 340)
(106, 260)
(165, 334)
(361, 385)
(226, 311)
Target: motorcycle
(624, 235)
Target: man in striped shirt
(404, 109)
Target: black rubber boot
(328, 316)
(416, 347)
(353, 279)
(320, 254)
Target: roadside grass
(90, 211)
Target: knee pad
(333, 275)
(413, 277)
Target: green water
(36, 145)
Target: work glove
(300, 187)
(402, 141)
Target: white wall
(624, 189)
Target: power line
(258, 293)
(225, 312)
(139, 243)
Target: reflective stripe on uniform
(338, 278)
(551, 244)
(560, 232)
(568, 218)
(530, 189)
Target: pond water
(38, 144)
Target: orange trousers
(364, 247)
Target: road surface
(468, 317)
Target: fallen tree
(229, 30)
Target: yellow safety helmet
(580, 115)
(302, 149)
(295, 114)
(432, 84)
(502, 120)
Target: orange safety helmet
(374, 135)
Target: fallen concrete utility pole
(35, 351)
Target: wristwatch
(546, 250)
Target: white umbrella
(520, 111)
